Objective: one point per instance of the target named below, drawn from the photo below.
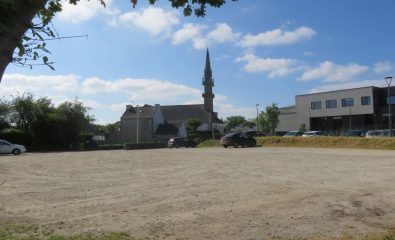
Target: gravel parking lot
(212, 193)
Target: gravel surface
(211, 193)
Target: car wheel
(235, 145)
(176, 146)
(253, 144)
(16, 151)
(225, 146)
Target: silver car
(7, 147)
(379, 133)
(315, 134)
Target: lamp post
(257, 117)
(388, 80)
(349, 120)
(137, 132)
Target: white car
(7, 147)
(315, 134)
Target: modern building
(338, 111)
(147, 123)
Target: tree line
(266, 121)
(37, 121)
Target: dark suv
(237, 139)
(181, 142)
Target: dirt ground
(245, 193)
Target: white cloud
(348, 85)
(222, 33)
(382, 67)
(190, 32)
(194, 33)
(308, 53)
(330, 72)
(277, 37)
(152, 19)
(140, 89)
(274, 67)
(19, 83)
(85, 10)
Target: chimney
(157, 106)
(128, 107)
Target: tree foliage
(268, 119)
(233, 121)
(25, 26)
(44, 123)
(193, 124)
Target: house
(148, 123)
(338, 111)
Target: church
(155, 123)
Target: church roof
(146, 111)
(178, 113)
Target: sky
(262, 52)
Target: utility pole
(257, 117)
(137, 133)
(388, 80)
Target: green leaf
(45, 59)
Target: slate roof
(146, 111)
(178, 113)
(172, 113)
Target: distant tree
(302, 128)
(74, 119)
(249, 123)
(193, 124)
(268, 119)
(22, 113)
(25, 26)
(233, 121)
(4, 114)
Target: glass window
(331, 103)
(347, 102)
(392, 100)
(316, 105)
(365, 100)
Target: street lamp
(137, 133)
(388, 80)
(257, 117)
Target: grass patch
(210, 143)
(328, 142)
(318, 142)
(31, 232)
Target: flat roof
(340, 90)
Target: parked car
(293, 134)
(7, 147)
(181, 142)
(379, 133)
(237, 139)
(355, 133)
(315, 134)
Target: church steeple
(208, 83)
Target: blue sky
(262, 51)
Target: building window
(365, 100)
(331, 103)
(392, 100)
(347, 102)
(316, 105)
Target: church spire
(208, 83)
(207, 69)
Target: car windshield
(291, 134)
(230, 135)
